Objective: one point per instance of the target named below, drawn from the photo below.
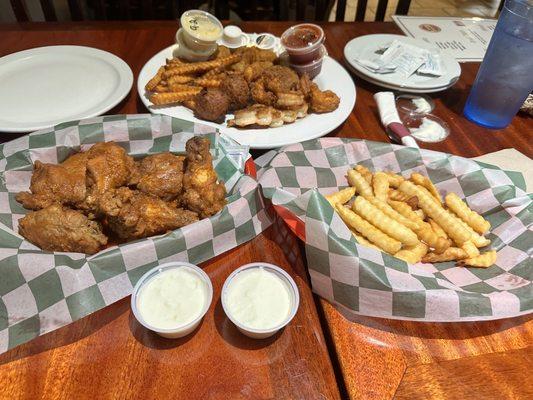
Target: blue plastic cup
(505, 78)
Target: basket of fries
(405, 233)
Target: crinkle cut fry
(342, 196)
(413, 254)
(386, 224)
(380, 184)
(451, 254)
(472, 218)
(152, 83)
(365, 172)
(435, 211)
(192, 68)
(173, 97)
(482, 261)
(357, 180)
(366, 229)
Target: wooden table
(108, 355)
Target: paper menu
(466, 39)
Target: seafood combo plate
(259, 97)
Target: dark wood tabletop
(320, 355)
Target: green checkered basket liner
(361, 280)
(42, 291)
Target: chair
(401, 9)
(21, 13)
(111, 9)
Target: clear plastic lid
(414, 104)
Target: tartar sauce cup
(179, 330)
(292, 290)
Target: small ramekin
(291, 285)
(178, 331)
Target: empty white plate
(366, 46)
(45, 86)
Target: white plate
(45, 86)
(401, 88)
(333, 76)
(366, 46)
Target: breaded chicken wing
(203, 194)
(56, 183)
(161, 175)
(133, 215)
(108, 167)
(57, 228)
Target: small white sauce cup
(293, 292)
(180, 330)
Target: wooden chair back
(401, 9)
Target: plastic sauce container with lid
(172, 299)
(201, 27)
(303, 42)
(260, 299)
(313, 68)
(200, 53)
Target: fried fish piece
(203, 193)
(134, 215)
(56, 183)
(323, 101)
(57, 228)
(161, 175)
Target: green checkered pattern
(361, 280)
(42, 291)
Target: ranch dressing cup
(172, 299)
(201, 30)
(260, 299)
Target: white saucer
(366, 46)
(45, 86)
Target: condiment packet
(405, 59)
(432, 66)
(399, 57)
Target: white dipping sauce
(173, 298)
(428, 130)
(258, 299)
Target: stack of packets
(41, 291)
(428, 236)
(404, 59)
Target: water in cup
(505, 78)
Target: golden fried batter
(57, 228)
(280, 79)
(133, 215)
(203, 194)
(161, 175)
(108, 167)
(50, 183)
(236, 88)
(323, 101)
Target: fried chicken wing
(108, 167)
(57, 228)
(133, 215)
(203, 194)
(161, 175)
(56, 183)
